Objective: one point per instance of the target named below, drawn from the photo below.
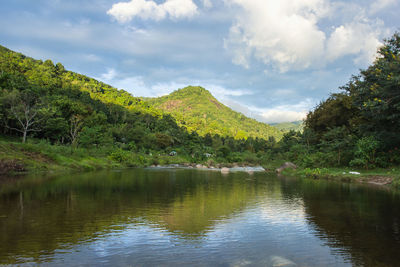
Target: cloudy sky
(272, 60)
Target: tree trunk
(24, 136)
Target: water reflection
(186, 217)
(361, 220)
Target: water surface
(172, 217)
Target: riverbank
(381, 177)
(30, 158)
(36, 157)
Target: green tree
(25, 108)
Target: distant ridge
(296, 126)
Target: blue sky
(272, 60)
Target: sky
(271, 60)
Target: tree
(24, 107)
(376, 94)
(75, 126)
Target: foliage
(73, 110)
(366, 152)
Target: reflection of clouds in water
(278, 211)
(140, 234)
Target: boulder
(286, 165)
(225, 170)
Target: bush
(365, 152)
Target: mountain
(196, 109)
(296, 126)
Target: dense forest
(359, 126)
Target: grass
(377, 175)
(40, 156)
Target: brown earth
(378, 180)
(171, 104)
(11, 165)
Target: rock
(199, 166)
(286, 165)
(225, 170)
(379, 180)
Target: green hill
(296, 126)
(196, 109)
(48, 75)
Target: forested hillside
(196, 109)
(44, 101)
(296, 126)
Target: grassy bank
(375, 176)
(40, 156)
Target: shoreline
(18, 159)
(377, 177)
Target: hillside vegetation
(296, 126)
(42, 102)
(198, 111)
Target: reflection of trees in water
(47, 214)
(354, 219)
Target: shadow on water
(362, 220)
(236, 219)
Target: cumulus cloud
(281, 33)
(284, 113)
(287, 35)
(175, 9)
(278, 116)
(359, 37)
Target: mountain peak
(198, 110)
(192, 90)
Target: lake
(180, 217)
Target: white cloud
(278, 116)
(287, 35)
(176, 9)
(109, 75)
(359, 38)
(285, 113)
(282, 33)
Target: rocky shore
(220, 168)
